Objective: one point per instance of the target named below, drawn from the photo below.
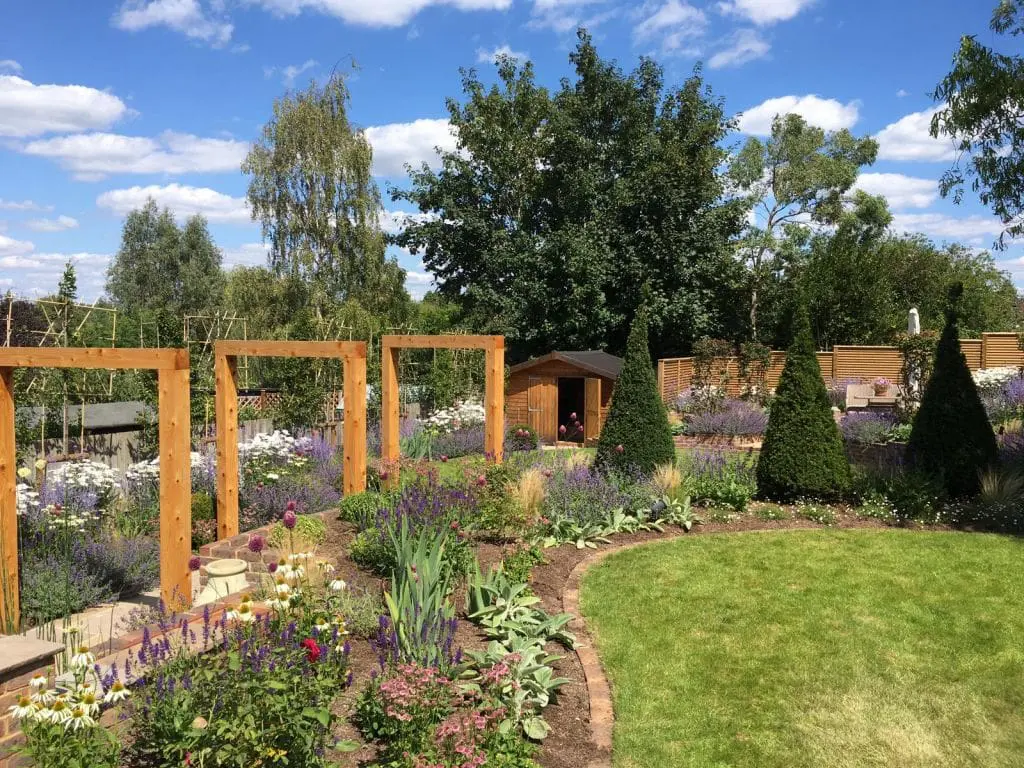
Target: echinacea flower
(58, 712)
(83, 658)
(117, 692)
(243, 613)
(37, 681)
(24, 709)
(322, 624)
(337, 585)
(79, 718)
(90, 702)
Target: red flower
(312, 650)
(562, 430)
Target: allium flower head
(257, 544)
(289, 518)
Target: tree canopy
(556, 208)
(312, 190)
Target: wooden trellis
(172, 367)
(226, 353)
(494, 386)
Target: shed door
(542, 405)
(592, 411)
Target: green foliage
(309, 532)
(636, 436)
(952, 437)
(162, 271)
(534, 232)
(986, 132)
(505, 608)
(521, 437)
(799, 171)
(519, 562)
(418, 599)
(772, 512)
(361, 508)
(370, 551)
(312, 190)
(802, 454)
(815, 512)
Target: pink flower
(619, 448)
(482, 480)
(289, 519)
(272, 567)
(562, 430)
(194, 562)
(257, 544)
(443, 458)
(572, 416)
(291, 506)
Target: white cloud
(909, 139)
(901, 191)
(396, 144)
(290, 72)
(829, 114)
(58, 224)
(764, 12)
(27, 109)
(185, 16)
(418, 283)
(484, 56)
(23, 205)
(246, 255)
(394, 222)
(10, 65)
(941, 226)
(901, 93)
(382, 13)
(744, 45)
(90, 156)
(562, 16)
(9, 247)
(677, 24)
(182, 200)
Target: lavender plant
(866, 427)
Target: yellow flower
(40, 464)
(24, 473)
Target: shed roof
(593, 361)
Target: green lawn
(814, 648)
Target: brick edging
(599, 693)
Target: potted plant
(881, 386)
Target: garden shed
(545, 391)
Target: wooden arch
(353, 357)
(494, 386)
(172, 367)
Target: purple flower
(289, 519)
(194, 563)
(257, 544)
(272, 567)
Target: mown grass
(814, 648)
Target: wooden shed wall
(517, 395)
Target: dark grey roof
(594, 361)
(98, 415)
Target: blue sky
(104, 103)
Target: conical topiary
(802, 455)
(636, 436)
(951, 437)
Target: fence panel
(1001, 349)
(867, 363)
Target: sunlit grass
(814, 648)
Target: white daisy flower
(117, 692)
(337, 585)
(37, 681)
(24, 708)
(83, 658)
(78, 718)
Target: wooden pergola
(172, 367)
(494, 386)
(353, 357)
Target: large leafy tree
(163, 270)
(797, 176)
(555, 209)
(312, 190)
(982, 109)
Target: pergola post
(175, 488)
(494, 400)
(389, 447)
(354, 439)
(10, 600)
(226, 414)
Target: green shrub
(370, 551)
(362, 610)
(636, 436)
(309, 532)
(361, 508)
(519, 563)
(915, 496)
(521, 437)
(802, 454)
(952, 437)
